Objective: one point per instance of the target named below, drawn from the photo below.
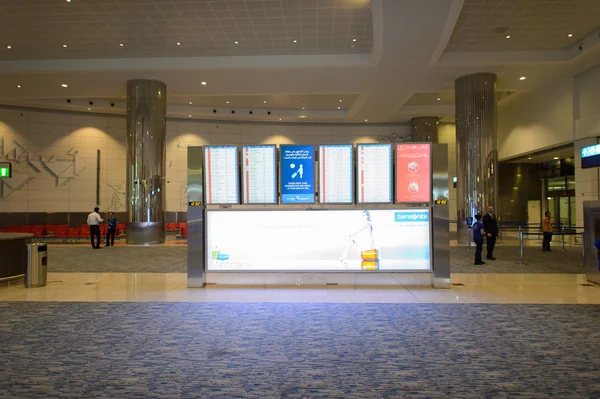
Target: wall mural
(117, 199)
(27, 166)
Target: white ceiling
(407, 55)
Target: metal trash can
(36, 274)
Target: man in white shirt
(94, 221)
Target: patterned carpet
(173, 259)
(183, 350)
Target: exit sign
(5, 170)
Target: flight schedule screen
(221, 174)
(374, 173)
(335, 174)
(259, 175)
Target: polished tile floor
(172, 287)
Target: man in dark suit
(490, 226)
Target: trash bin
(36, 274)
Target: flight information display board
(259, 175)
(335, 174)
(374, 173)
(413, 173)
(221, 175)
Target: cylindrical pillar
(146, 134)
(476, 148)
(424, 129)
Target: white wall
(537, 120)
(63, 146)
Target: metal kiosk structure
(200, 255)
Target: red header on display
(413, 173)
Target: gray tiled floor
(173, 259)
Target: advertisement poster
(413, 173)
(297, 174)
(326, 240)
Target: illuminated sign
(590, 156)
(413, 173)
(195, 203)
(327, 240)
(297, 174)
(441, 202)
(5, 170)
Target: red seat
(84, 232)
(84, 225)
(73, 232)
(61, 232)
(171, 226)
(38, 231)
(103, 228)
(184, 231)
(182, 225)
(25, 229)
(121, 228)
(12, 229)
(51, 228)
(2, 230)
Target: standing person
(547, 230)
(110, 231)
(490, 225)
(478, 233)
(94, 221)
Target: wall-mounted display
(335, 174)
(221, 174)
(374, 173)
(326, 240)
(297, 174)
(259, 175)
(413, 173)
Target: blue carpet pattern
(184, 350)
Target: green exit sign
(5, 170)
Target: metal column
(196, 265)
(440, 223)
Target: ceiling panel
(532, 25)
(446, 98)
(38, 29)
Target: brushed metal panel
(144, 233)
(440, 223)
(591, 225)
(196, 267)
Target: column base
(145, 233)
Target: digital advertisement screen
(413, 173)
(259, 175)
(335, 174)
(374, 173)
(326, 240)
(221, 175)
(297, 174)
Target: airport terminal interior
(299, 199)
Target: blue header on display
(590, 151)
(297, 174)
(590, 156)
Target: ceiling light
(189, 116)
(179, 44)
(570, 35)
(190, 103)
(64, 45)
(522, 78)
(339, 107)
(64, 85)
(295, 41)
(18, 86)
(529, 158)
(353, 40)
(439, 99)
(121, 44)
(264, 102)
(303, 108)
(555, 158)
(508, 36)
(89, 109)
(236, 42)
(68, 1)
(366, 120)
(341, 100)
(203, 83)
(9, 47)
(279, 118)
(226, 102)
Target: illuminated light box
(221, 175)
(335, 174)
(5, 170)
(413, 173)
(590, 156)
(297, 174)
(325, 240)
(259, 175)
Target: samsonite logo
(412, 217)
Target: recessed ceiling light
(236, 42)
(366, 120)
(439, 99)
(89, 109)
(295, 41)
(522, 78)
(303, 108)
(555, 158)
(190, 103)
(570, 35)
(121, 44)
(64, 85)
(279, 118)
(9, 47)
(68, 1)
(64, 45)
(529, 158)
(508, 36)
(179, 44)
(18, 86)
(353, 40)
(339, 107)
(203, 83)
(341, 100)
(226, 102)
(189, 116)
(264, 102)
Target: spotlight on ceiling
(508, 36)
(64, 85)
(9, 47)
(65, 46)
(570, 35)
(522, 78)
(203, 83)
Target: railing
(563, 234)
